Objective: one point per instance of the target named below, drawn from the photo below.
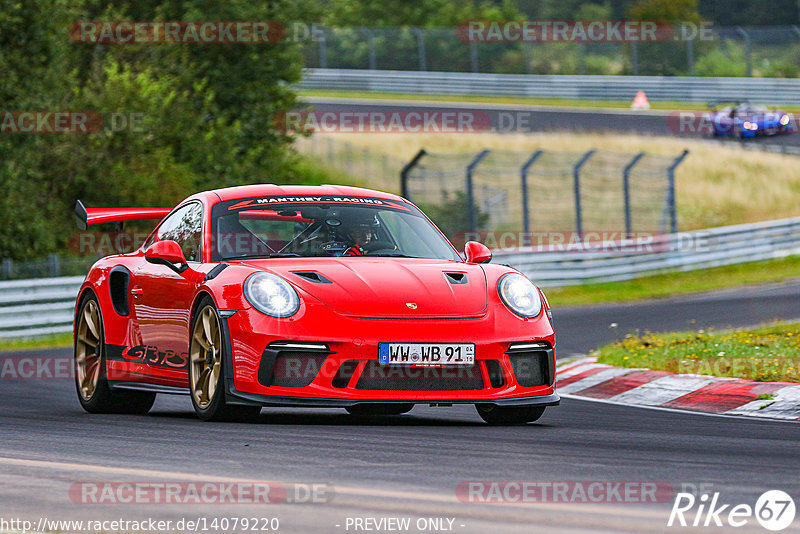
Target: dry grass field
(717, 184)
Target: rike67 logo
(774, 510)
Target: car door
(162, 298)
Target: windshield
(323, 226)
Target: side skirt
(154, 388)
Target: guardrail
(687, 49)
(684, 251)
(674, 88)
(36, 307)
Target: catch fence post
(626, 190)
(421, 55)
(323, 49)
(406, 170)
(671, 201)
(523, 174)
(473, 217)
(8, 268)
(576, 177)
(373, 62)
(55, 265)
(748, 50)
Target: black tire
(509, 415)
(102, 399)
(216, 408)
(379, 409)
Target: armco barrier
(43, 306)
(684, 251)
(672, 88)
(37, 307)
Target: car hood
(387, 287)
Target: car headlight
(271, 295)
(519, 295)
(750, 125)
(784, 120)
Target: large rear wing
(87, 216)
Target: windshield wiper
(389, 255)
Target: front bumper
(237, 397)
(335, 342)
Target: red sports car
(326, 296)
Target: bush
(717, 63)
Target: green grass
(523, 101)
(765, 354)
(678, 283)
(46, 342)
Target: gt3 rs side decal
(148, 354)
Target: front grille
(291, 364)
(495, 373)
(407, 378)
(344, 374)
(532, 363)
(296, 369)
(530, 368)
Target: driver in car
(359, 235)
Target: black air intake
(532, 363)
(291, 364)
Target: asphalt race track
(409, 466)
(532, 119)
(582, 329)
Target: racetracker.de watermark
(564, 491)
(68, 122)
(380, 121)
(580, 31)
(588, 242)
(199, 492)
(194, 32)
(710, 122)
(105, 243)
(36, 368)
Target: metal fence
(717, 51)
(38, 307)
(53, 265)
(504, 190)
(676, 88)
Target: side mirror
(477, 252)
(167, 253)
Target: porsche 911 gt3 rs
(315, 296)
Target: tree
(430, 13)
(665, 58)
(205, 112)
(36, 75)
(751, 12)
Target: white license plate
(426, 353)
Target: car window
(322, 226)
(411, 233)
(185, 227)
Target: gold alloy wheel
(87, 350)
(205, 356)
